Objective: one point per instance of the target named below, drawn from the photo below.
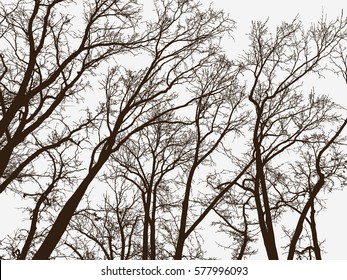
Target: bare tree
(283, 116)
(182, 134)
(326, 167)
(217, 114)
(44, 62)
(42, 195)
(150, 163)
(175, 50)
(111, 230)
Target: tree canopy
(121, 135)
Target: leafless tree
(43, 194)
(180, 41)
(283, 116)
(110, 230)
(182, 134)
(150, 163)
(234, 220)
(44, 62)
(217, 114)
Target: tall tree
(283, 116)
(217, 115)
(182, 40)
(176, 131)
(44, 60)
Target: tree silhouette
(43, 70)
(283, 117)
(175, 53)
(122, 135)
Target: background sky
(331, 223)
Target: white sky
(331, 225)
